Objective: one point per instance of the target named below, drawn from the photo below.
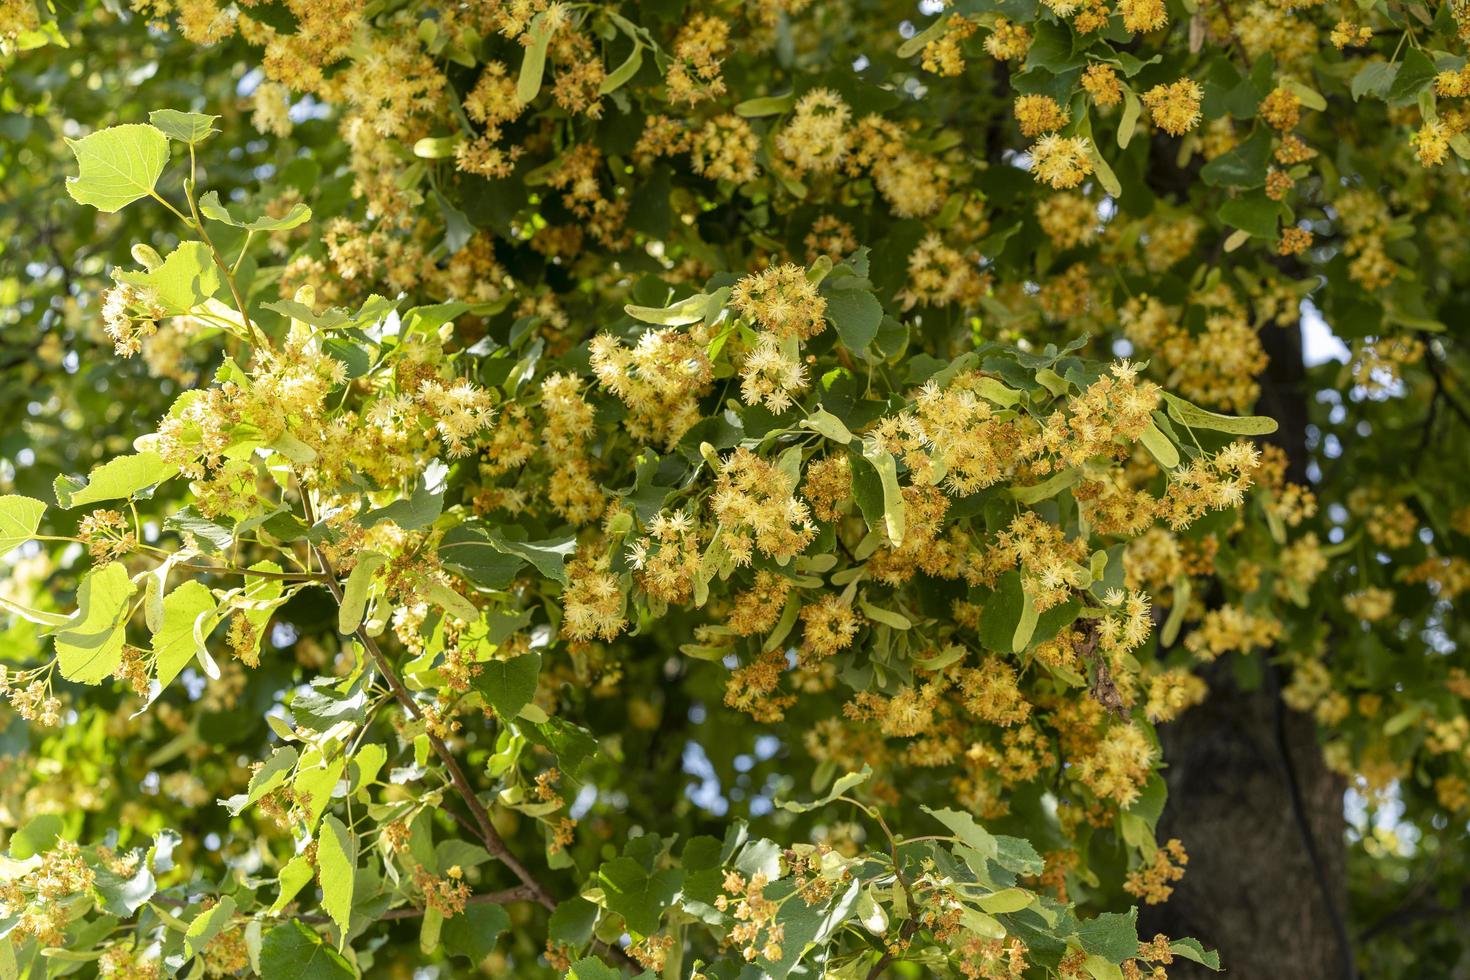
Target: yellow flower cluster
(757, 508)
(667, 557)
(593, 602)
(817, 138)
(782, 300)
(1175, 108)
(660, 379)
(771, 373)
(1232, 628)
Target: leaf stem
(219, 260)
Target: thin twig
(520, 893)
(494, 843)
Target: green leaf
(451, 601)
(422, 507)
(571, 922)
(19, 518)
(355, 593)
(37, 616)
(1026, 625)
(185, 127)
(1170, 631)
(1186, 413)
(1243, 165)
(90, 645)
(207, 925)
(209, 535)
(262, 595)
(995, 391)
(117, 166)
(1415, 76)
(1006, 900)
(1111, 935)
(592, 968)
(1192, 949)
(1018, 855)
(38, 836)
(1375, 79)
(829, 425)
(1255, 213)
(1105, 175)
(509, 685)
(887, 617)
(210, 207)
(533, 65)
(329, 319)
(315, 781)
(368, 761)
(963, 826)
(113, 480)
(1310, 97)
(571, 745)
(1001, 614)
(336, 869)
(272, 774)
(475, 931)
(917, 43)
(548, 556)
(1053, 50)
(294, 952)
(1100, 968)
(854, 311)
(894, 520)
(640, 898)
(292, 879)
(174, 643)
(839, 788)
(122, 896)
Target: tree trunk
(1250, 796)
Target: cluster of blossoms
(660, 379)
(980, 487)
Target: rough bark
(1250, 796)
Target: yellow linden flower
(1174, 108)
(1061, 161)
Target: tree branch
(491, 838)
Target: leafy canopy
(545, 406)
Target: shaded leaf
(640, 898)
(294, 952)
